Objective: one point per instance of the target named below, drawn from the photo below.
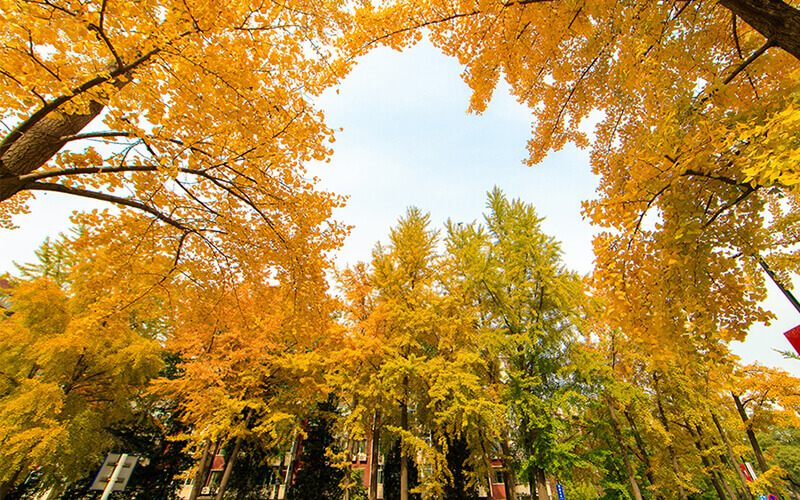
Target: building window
(497, 476)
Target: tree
(694, 139)
(529, 307)
(69, 380)
(317, 478)
(391, 474)
(205, 104)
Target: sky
(407, 140)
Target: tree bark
(637, 493)
(751, 436)
(374, 450)
(541, 483)
(29, 146)
(5, 486)
(509, 478)
(709, 467)
(776, 20)
(403, 454)
(724, 481)
(670, 448)
(232, 459)
(648, 470)
(348, 471)
(201, 471)
(732, 457)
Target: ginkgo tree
(529, 307)
(194, 114)
(69, 378)
(695, 109)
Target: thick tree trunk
(202, 471)
(778, 21)
(232, 459)
(637, 493)
(374, 450)
(751, 436)
(37, 139)
(732, 458)
(509, 478)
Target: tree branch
(57, 102)
(749, 60)
(58, 188)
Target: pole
(114, 475)
(774, 278)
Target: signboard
(793, 336)
(560, 491)
(107, 470)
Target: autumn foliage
(201, 296)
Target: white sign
(107, 472)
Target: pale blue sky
(407, 140)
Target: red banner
(793, 336)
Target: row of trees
(446, 351)
(199, 314)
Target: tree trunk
(5, 486)
(232, 459)
(776, 20)
(648, 470)
(509, 478)
(202, 471)
(732, 457)
(707, 464)
(731, 492)
(348, 471)
(762, 464)
(374, 450)
(403, 454)
(637, 494)
(670, 448)
(37, 139)
(541, 483)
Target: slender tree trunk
(671, 449)
(732, 457)
(202, 471)
(374, 450)
(403, 454)
(348, 471)
(707, 464)
(648, 469)
(5, 486)
(637, 494)
(762, 464)
(541, 483)
(731, 492)
(509, 477)
(232, 459)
